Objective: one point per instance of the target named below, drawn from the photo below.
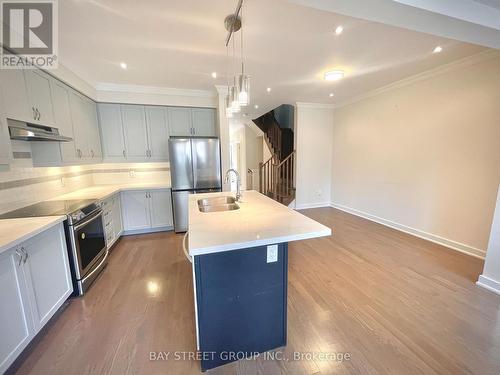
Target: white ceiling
(178, 44)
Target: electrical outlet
(131, 173)
(272, 253)
(319, 192)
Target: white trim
(490, 284)
(463, 248)
(305, 206)
(154, 90)
(428, 74)
(314, 105)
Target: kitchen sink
(216, 201)
(218, 204)
(218, 207)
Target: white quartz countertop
(104, 191)
(15, 231)
(259, 221)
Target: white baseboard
(463, 248)
(490, 284)
(145, 231)
(304, 206)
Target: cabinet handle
(124, 153)
(39, 114)
(34, 112)
(18, 253)
(25, 254)
(92, 153)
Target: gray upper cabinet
(62, 115)
(92, 126)
(156, 121)
(204, 122)
(15, 95)
(80, 132)
(180, 121)
(38, 84)
(135, 132)
(113, 142)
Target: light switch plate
(272, 253)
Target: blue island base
(241, 303)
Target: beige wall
(313, 143)
(425, 157)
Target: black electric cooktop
(50, 208)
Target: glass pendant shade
(235, 104)
(243, 90)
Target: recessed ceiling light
(339, 30)
(437, 49)
(268, 89)
(331, 95)
(123, 65)
(334, 75)
(214, 74)
(256, 106)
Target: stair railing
(277, 179)
(285, 176)
(267, 175)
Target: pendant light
(238, 94)
(243, 79)
(235, 103)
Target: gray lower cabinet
(147, 210)
(35, 280)
(112, 219)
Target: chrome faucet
(238, 182)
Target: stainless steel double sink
(217, 204)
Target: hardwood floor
(395, 303)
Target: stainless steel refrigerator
(194, 168)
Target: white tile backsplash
(81, 177)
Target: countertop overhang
(259, 221)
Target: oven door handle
(96, 268)
(81, 225)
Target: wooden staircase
(277, 174)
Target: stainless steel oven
(84, 235)
(88, 247)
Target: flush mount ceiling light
(331, 95)
(214, 75)
(268, 89)
(437, 49)
(123, 65)
(334, 75)
(256, 106)
(339, 30)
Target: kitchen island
(239, 254)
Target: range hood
(25, 131)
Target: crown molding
(154, 90)
(314, 105)
(428, 74)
